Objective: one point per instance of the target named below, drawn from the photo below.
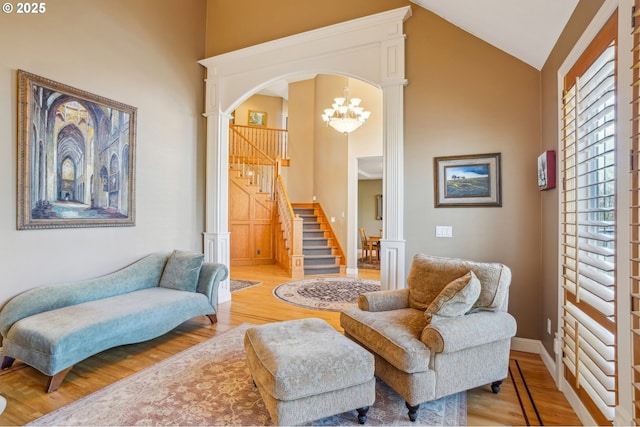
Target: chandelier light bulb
(345, 117)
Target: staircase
(319, 256)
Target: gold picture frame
(257, 118)
(76, 157)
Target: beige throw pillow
(456, 299)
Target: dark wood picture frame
(468, 181)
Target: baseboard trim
(526, 345)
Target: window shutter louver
(635, 212)
(588, 233)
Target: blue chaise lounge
(53, 327)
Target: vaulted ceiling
(525, 29)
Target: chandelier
(345, 115)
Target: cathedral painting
(76, 163)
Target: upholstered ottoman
(306, 370)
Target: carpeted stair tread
(325, 260)
(319, 257)
(321, 269)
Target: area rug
(238, 285)
(210, 384)
(331, 294)
(366, 265)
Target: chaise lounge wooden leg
(7, 362)
(413, 411)
(495, 386)
(362, 414)
(55, 381)
(213, 318)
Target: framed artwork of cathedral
(76, 157)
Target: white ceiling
(370, 167)
(525, 29)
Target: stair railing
(289, 241)
(273, 142)
(252, 161)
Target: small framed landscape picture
(467, 181)
(257, 118)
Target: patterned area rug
(210, 384)
(365, 264)
(238, 285)
(330, 294)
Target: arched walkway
(373, 52)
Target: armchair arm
(394, 299)
(211, 274)
(471, 330)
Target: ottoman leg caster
(413, 411)
(362, 414)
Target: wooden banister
(273, 142)
(289, 241)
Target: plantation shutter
(588, 226)
(635, 213)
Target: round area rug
(331, 294)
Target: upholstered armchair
(449, 331)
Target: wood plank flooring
(528, 396)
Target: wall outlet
(549, 326)
(333, 219)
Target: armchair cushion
(455, 299)
(182, 271)
(395, 336)
(468, 331)
(430, 274)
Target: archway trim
(371, 49)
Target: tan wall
(549, 141)
(368, 189)
(272, 105)
(330, 159)
(141, 53)
(301, 141)
(463, 97)
(232, 25)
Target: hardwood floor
(528, 396)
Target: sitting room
(120, 132)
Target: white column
(392, 252)
(216, 235)
(392, 245)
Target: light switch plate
(444, 231)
